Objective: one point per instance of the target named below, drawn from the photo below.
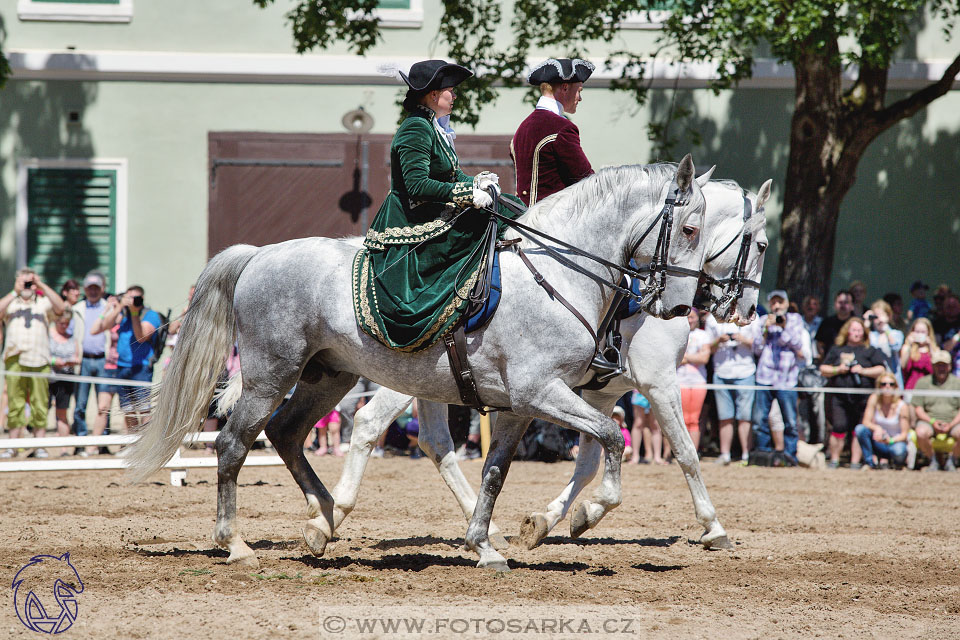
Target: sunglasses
(888, 384)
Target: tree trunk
(820, 172)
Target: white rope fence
(179, 464)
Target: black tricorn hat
(435, 74)
(563, 70)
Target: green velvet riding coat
(421, 254)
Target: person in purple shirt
(779, 346)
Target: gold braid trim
(463, 194)
(535, 174)
(409, 235)
(361, 302)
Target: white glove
(481, 199)
(485, 179)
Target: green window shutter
(117, 2)
(393, 4)
(71, 225)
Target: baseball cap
(778, 293)
(940, 357)
(93, 279)
(919, 284)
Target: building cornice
(162, 66)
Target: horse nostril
(753, 310)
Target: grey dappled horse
(292, 309)
(653, 348)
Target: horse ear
(764, 194)
(685, 173)
(705, 178)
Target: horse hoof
(500, 565)
(532, 531)
(579, 522)
(720, 543)
(315, 538)
(248, 561)
(498, 541)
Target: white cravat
(443, 126)
(549, 104)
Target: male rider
(546, 147)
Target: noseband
(734, 285)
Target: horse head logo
(39, 609)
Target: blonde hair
(66, 314)
(845, 329)
(887, 375)
(883, 305)
(931, 337)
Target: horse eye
(761, 247)
(688, 230)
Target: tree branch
(918, 100)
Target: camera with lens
(29, 284)
(781, 320)
(138, 301)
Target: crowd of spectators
(104, 336)
(877, 350)
(880, 357)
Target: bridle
(653, 274)
(732, 287)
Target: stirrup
(606, 370)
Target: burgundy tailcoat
(547, 156)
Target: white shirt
(732, 359)
(694, 374)
(549, 104)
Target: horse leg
(436, 442)
(667, 407)
(559, 404)
(233, 444)
(371, 420)
(287, 431)
(506, 436)
(537, 525)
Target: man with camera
(779, 344)
(137, 324)
(26, 316)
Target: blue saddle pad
(628, 306)
(486, 312)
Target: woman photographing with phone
(915, 356)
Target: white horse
(653, 348)
(290, 306)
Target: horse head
(679, 251)
(730, 286)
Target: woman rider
(422, 252)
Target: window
(71, 218)
(76, 10)
(400, 13)
(652, 17)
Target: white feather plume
(390, 69)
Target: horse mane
(622, 184)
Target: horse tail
(181, 401)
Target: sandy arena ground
(837, 554)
